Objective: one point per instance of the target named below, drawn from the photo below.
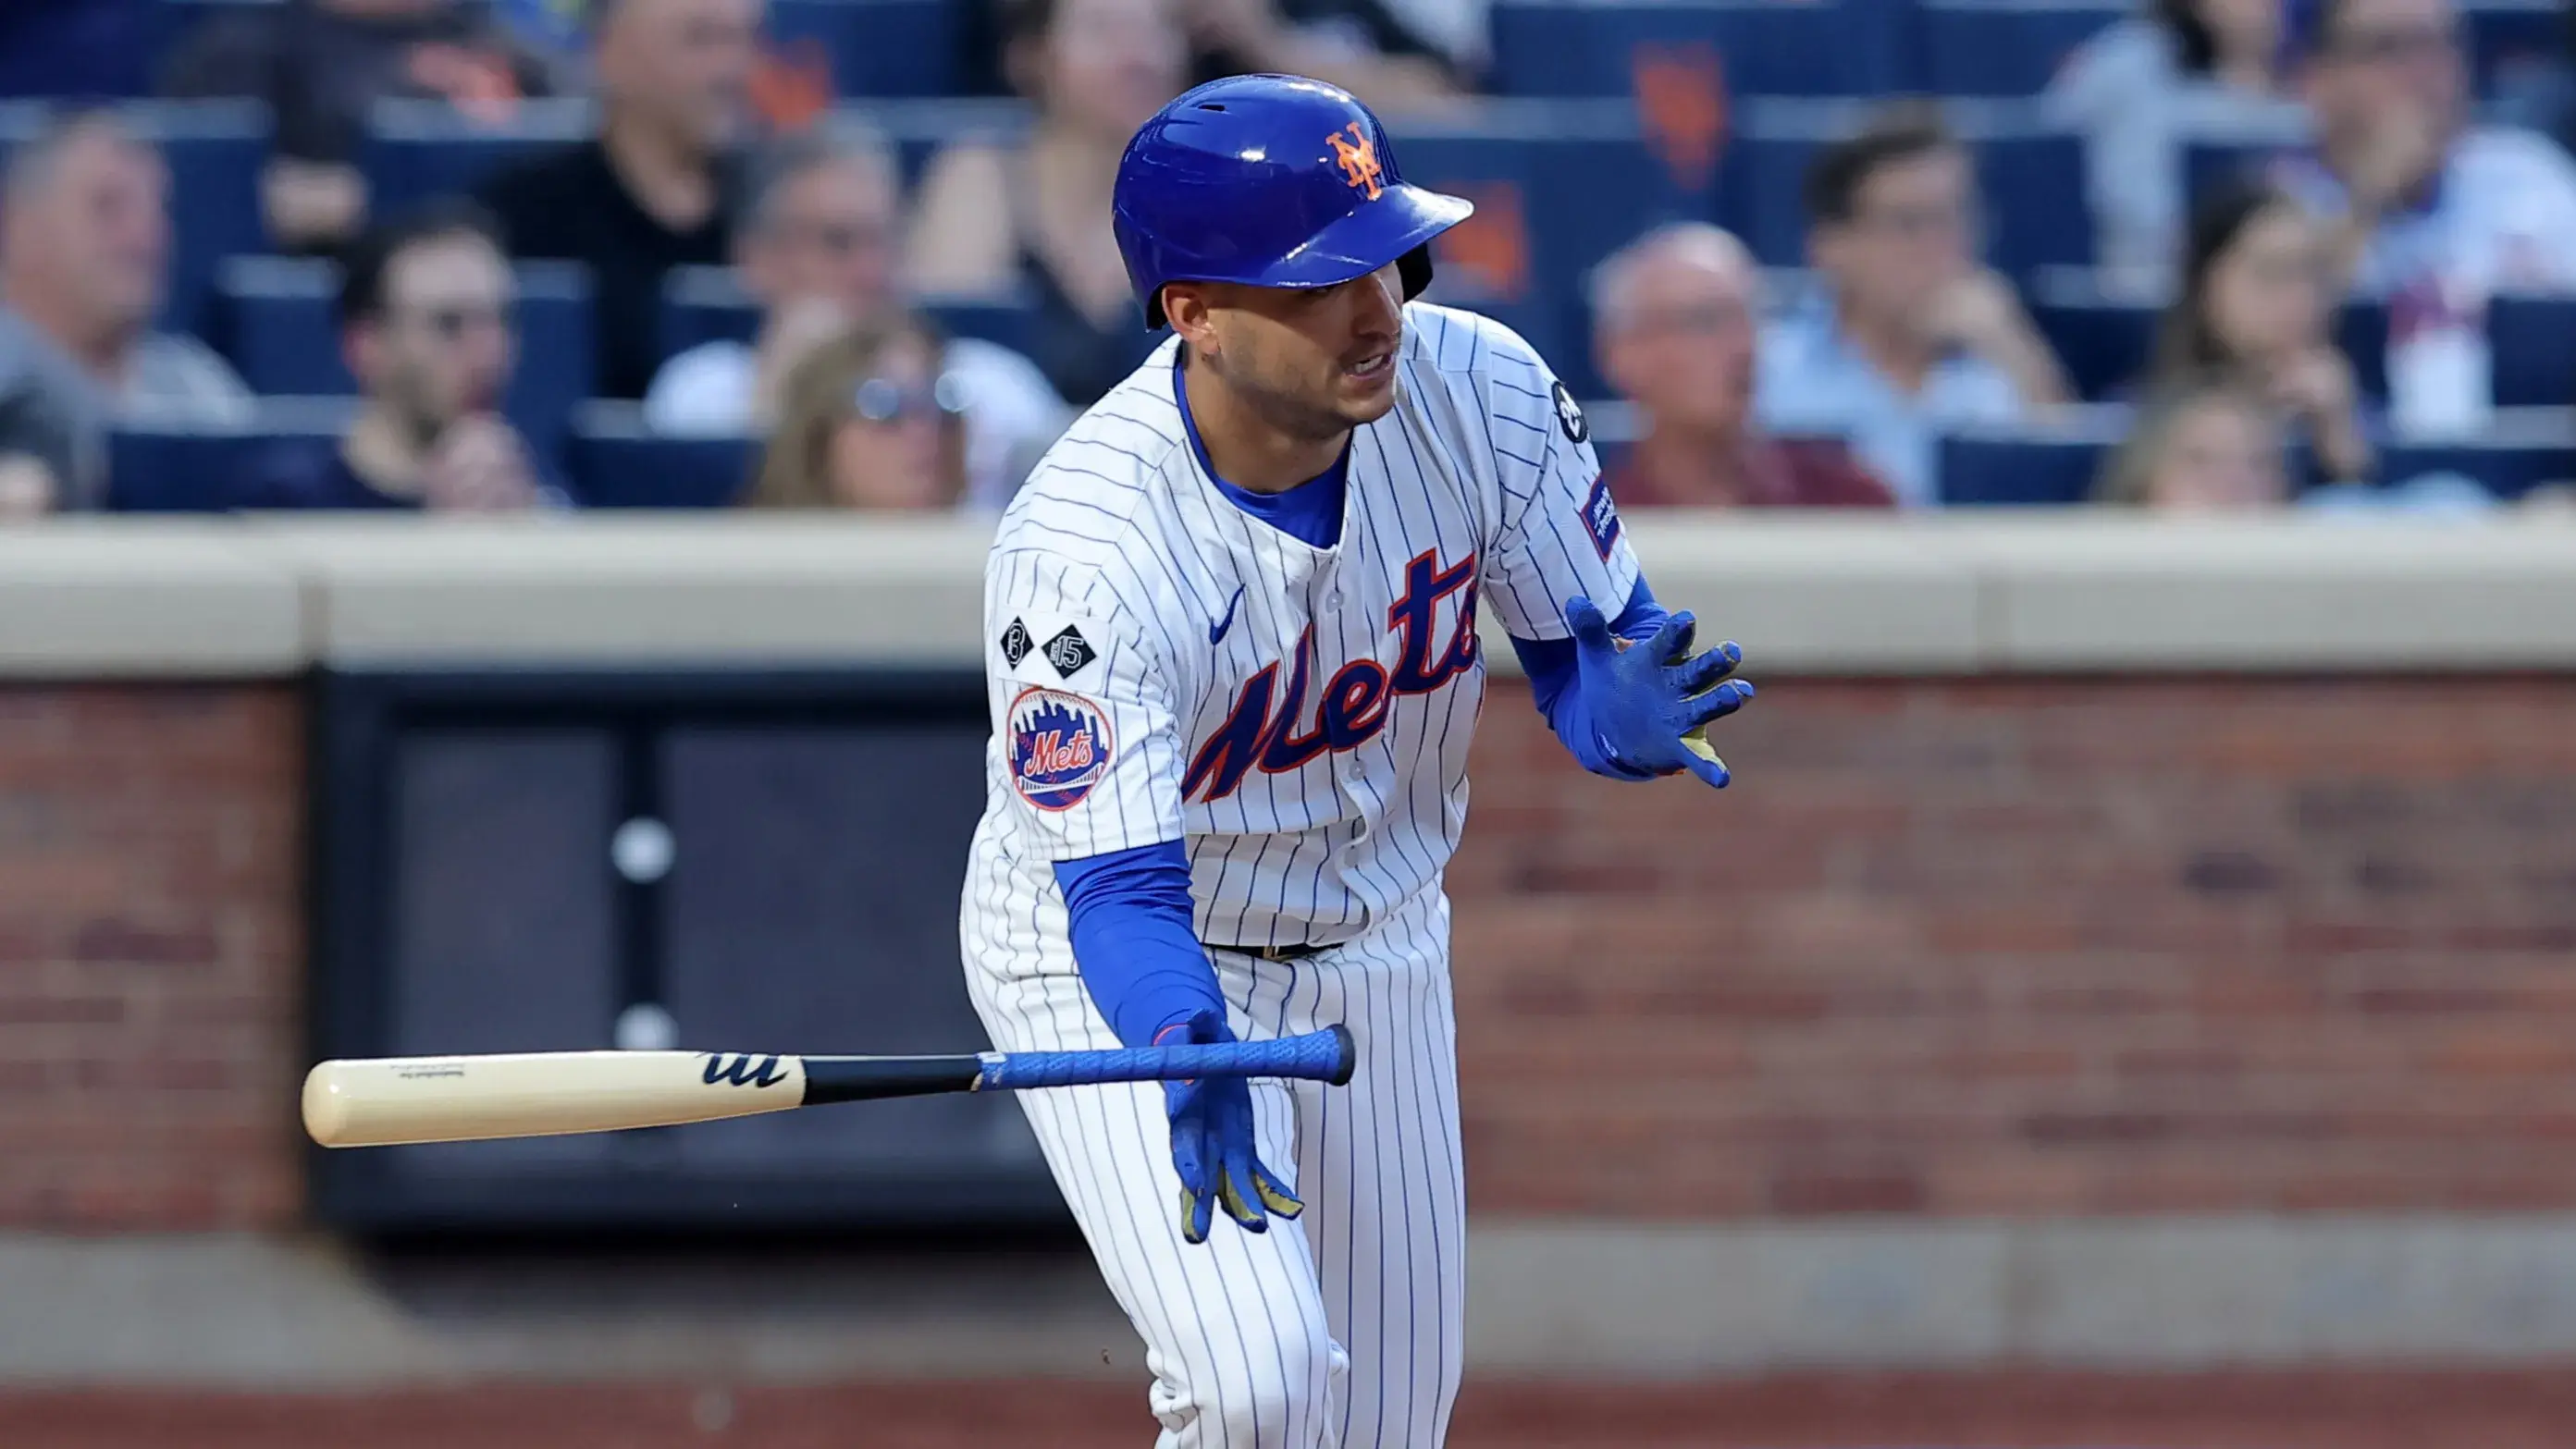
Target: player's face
(1314, 362)
(443, 348)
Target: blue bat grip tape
(1318, 1056)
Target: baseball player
(1231, 640)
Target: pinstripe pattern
(1328, 823)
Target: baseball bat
(382, 1101)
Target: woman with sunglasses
(872, 420)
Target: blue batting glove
(1212, 1145)
(1652, 701)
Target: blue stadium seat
(2361, 330)
(2031, 174)
(282, 336)
(416, 151)
(201, 470)
(2520, 450)
(919, 128)
(1558, 186)
(874, 47)
(708, 304)
(705, 304)
(2005, 48)
(215, 150)
(2534, 344)
(1594, 47)
(2105, 339)
(616, 462)
(2504, 34)
(2016, 466)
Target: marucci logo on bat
(742, 1073)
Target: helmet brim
(1382, 233)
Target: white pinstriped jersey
(1165, 666)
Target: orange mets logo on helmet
(1358, 158)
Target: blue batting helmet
(1272, 181)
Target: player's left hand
(1652, 699)
(1212, 1145)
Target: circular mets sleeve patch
(1060, 747)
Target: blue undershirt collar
(1311, 512)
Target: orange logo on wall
(1681, 98)
(1489, 251)
(791, 87)
(1358, 158)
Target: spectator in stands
(425, 326)
(84, 252)
(1673, 328)
(2254, 307)
(1912, 334)
(2426, 212)
(871, 421)
(2141, 89)
(994, 219)
(1364, 46)
(652, 190)
(815, 243)
(321, 65)
(2206, 444)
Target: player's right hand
(1212, 1146)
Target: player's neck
(1246, 449)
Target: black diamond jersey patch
(1069, 652)
(1016, 643)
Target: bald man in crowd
(84, 257)
(1673, 330)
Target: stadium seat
(919, 128)
(2030, 466)
(616, 462)
(215, 150)
(873, 47)
(201, 470)
(2505, 34)
(282, 336)
(2519, 450)
(705, 304)
(2106, 339)
(2005, 48)
(2031, 175)
(416, 151)
(1558, 185)
(2361, 330)
(2534, 345)
(1598, 47)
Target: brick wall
(1947, 947)
(2035, 947)
(149, 941)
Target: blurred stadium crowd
(445, 254)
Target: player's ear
(1185, 306)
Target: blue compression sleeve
(1554, 687)
(1134, 940)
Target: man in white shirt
(816, 245)
(1915, 334)
(2429, 213)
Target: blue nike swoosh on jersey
(1216, 631)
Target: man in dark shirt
(652, 192)
(322, 64)
(1673, 320)
(425, 325)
